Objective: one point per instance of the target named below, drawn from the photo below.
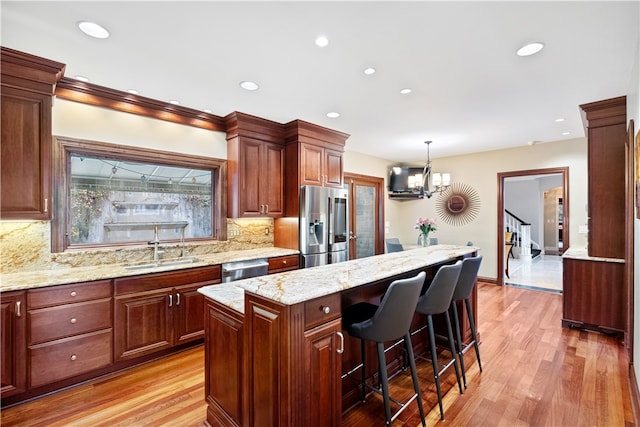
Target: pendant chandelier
(440, 182)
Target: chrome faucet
(156, 242)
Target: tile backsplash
(26, 246)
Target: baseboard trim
(634, 394)
(488, 280)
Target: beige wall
(480, 171)
(82, 121)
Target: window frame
(64, 147)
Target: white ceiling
(470, 91)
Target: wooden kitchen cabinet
(255, 167)
(592, 295)
(70, 330)
(320, 166)
(323, 369)
(13, 345)
(314, 156)
(260, 179)
(27, 88)
(283, 263)
(157, 311)
(606, 123)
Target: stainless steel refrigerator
(324, 225)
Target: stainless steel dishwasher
(244, 269)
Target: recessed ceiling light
(322, 41)
(249, 85)
(560, 119)
(174, 102)
(206, 110)
(132, 91)
(333, 115)
(81, 78)
(405, 91)
(94, 30)
(566, 133)
(370, 70)
(530, 49)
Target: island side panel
(224, 361)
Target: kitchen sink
(163, 263)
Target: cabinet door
(311, 159)
(143, 323)
(333, 168)
(188, 313)
(13, 346)
(25, 158)
(272, 180)
(249, 178)
(323, 369)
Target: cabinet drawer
(67, 357)
(152, 281)
(64, 294)
(51, 323)
(283, 263)
(321, 310)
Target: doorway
(366, 215)
(554, 224)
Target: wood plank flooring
(535, 373)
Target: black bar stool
(389, 321)
(436, 300)
(464, 287)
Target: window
(112, 195)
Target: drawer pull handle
(326, 309)
(284, 262)
(341, 349)
(73, 357)
(73, 320)
(73, 293)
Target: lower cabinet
(157, 311)
(324, 364)
(283, 263)
(223, 359)
(593, 295)
(13, 347)
(70, 330)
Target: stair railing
(521, 233)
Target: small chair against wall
(394, 245)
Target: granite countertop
(582, 254)
(297, 286)
(61, 276)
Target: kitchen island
(274, 346)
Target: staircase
(521, 230)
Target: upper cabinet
(255, 167)
(606, 124)
(313, 157)
(28, 84)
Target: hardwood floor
(535, 373)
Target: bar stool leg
(382, 364)
(456, 321)
(434, 362)
(452, 349)
(473, 331)
(414, 375)
(363, 372)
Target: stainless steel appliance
(324, 225)
(238, 270)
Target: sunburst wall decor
(459, 204)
